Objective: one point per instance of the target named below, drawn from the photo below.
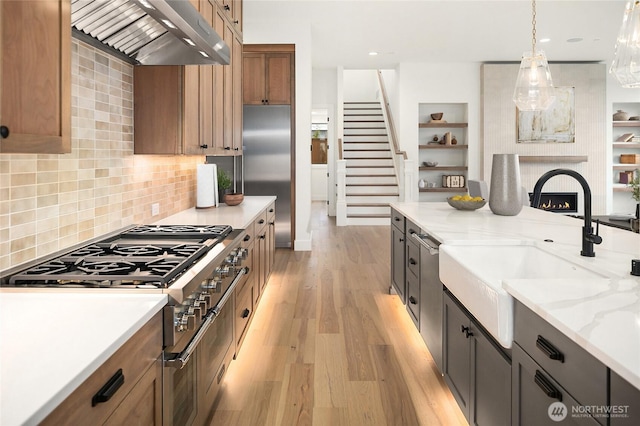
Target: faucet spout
(588, 237)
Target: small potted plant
(225, 193)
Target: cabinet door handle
(401, 240)
(226, 7)
(546, 386)
(263, 236)
(412, 261)
(205, 146)
(466, 331)
(413, 300)
(261, 221)
(4, 132)
(396, 218)
(109, 389)
(245, 313)
(247, 237)
(549, 350)
(270, 210)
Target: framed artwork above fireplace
(554, 125)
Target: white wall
(360, 86)
(438, 83)
(259, 29)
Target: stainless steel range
(198, 267)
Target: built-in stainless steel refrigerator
(267, 161)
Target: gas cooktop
(145, 256)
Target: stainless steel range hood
(149, 32)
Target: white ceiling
(344, 31)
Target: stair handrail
(387, 110)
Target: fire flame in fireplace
(550, 206)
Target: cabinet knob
(245, 313)
(466, 331)
(413, 300)
(236, 149)
(226, 7)
(236, 22)
(4, 132)
(228, 148)
(412, 261)
(204, 146)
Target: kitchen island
(599, 313)
(52, 340)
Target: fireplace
(559, 202)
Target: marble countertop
(601, 315)
(52, 342)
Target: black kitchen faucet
(588, 237)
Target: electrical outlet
(155, 209)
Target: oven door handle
(181, 359)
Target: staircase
(371, 182)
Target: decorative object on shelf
(447, 138)
(421, 183)
(626, 177)
(635, 191)
(466, 202)
(620, 116)
(553, 125)
(625, 138)
(437, 117)
(454, 141)
(224, 184)
(431, 184)
(534, 87)
(634, 118)
(233, 198)
(505, 191)
(435, 138)
(627, 55)
(430, 163)
(453, 181)
(629, 158)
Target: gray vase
(505, 193)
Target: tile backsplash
(50, 202)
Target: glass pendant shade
(626, 61)
(534, 88)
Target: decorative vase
(620, 116)
(505, 193)
(233, 198)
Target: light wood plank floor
(330, 346)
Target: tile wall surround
(51, 202)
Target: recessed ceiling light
(574, 40)
(373, 53)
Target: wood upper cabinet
(267, 78)
(192, 109)
(35, 76)
(232, 10)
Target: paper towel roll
(207, 186)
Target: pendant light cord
(533, 24)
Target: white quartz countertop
(236, 216)
(601, 315)
(51, 342)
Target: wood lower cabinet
(267, 76)
(35, 76)
(476, 370)
(138, 400)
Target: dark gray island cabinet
(544, 376)
(476, 369)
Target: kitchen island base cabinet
(476, 370)
(538, 400)
(138, 364)
(397, 254)
(627, 400)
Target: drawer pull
(547, 387)
(109, 389)
(396, 218)
(245, 313)
(247, 237)
(412, 261)
(549, 350)
(261, 221)
(413, 300)
(466, 331)
(270, 210)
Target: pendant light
(626, 61)
(534, 88)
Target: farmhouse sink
(475, 273)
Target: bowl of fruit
(466, 202)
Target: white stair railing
(341, 195)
